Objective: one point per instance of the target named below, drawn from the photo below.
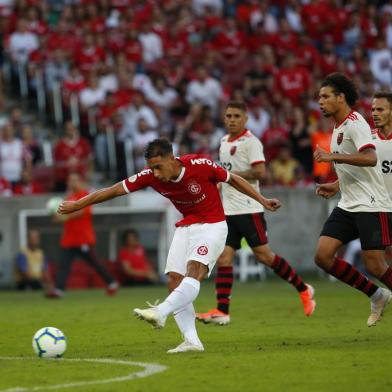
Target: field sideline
(270, 346)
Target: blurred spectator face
(27, 134)
(143, 126)
(235, 120)
(138, 100)
(131, 240)
(284, 153)
(33, 239)
(381, 112)
(16, 115)
(8, 132)
(22, 26)
(74, 182)
(70, 130)
(202, 74)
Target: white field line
(149, 369)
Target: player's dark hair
(158, 148)
(384, 94)
(236, 105)
(129, 232)
(341, 84)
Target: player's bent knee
(322, 260)
(225, 261)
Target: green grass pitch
(270, 345)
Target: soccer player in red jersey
(190, 183)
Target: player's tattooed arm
(243, 186)
(99, 196)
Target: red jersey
(194, 193)
(78, 231)
(136, 259)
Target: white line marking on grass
(149, 370)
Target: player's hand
(272, 204)
(67, 207)
(327, 190)
(321, 155)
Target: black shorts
(252, 227)
(372, 228)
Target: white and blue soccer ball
(49, 342)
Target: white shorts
(202, 242)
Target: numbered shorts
(374, 229)
(202, 242)
(252, 227)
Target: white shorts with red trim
(202, 242)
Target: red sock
(346, 273)
(387, 278)
(223, 285)
(283, 269)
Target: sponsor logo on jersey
(202, 250)
(233, 150)
(132, 178)
(340, 138)
(203, 161)
(194, 188)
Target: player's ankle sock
(387, 278)
(283, 269)
(185, 319)
(350, 275)
(223, 286)
(184, 294)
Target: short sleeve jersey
(362, 188)
(194, 193)
(384, 153)
(238, 155)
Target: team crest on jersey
(194, 188)
(202, 250)
(233, 150)
(340, 138)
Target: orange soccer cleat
(214, 316)
(307, 299)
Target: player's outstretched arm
(243, 186)
(99, 196)
(366, 157)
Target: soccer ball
(49, 342)
(53, 204)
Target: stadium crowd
(167, 68)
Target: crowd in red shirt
(274, 53)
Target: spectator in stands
(92, 95)
(72, 153)
(133, 260)
(78, 241)
(22, 43)
(31, 144)
(31, 265)
(16, 119)
(151, 44)
(258, 118)
(13, 155)
(144, 135)
(283, 168)
(381, 63)
(132, 115)
(205, 90)
(56, 69)
(27, 185)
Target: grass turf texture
(269, 346)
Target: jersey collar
(237, 137)
(382, 137)
(341, 122)
(182, 173)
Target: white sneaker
(151, 315)
(186, 346)
(377, 307)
